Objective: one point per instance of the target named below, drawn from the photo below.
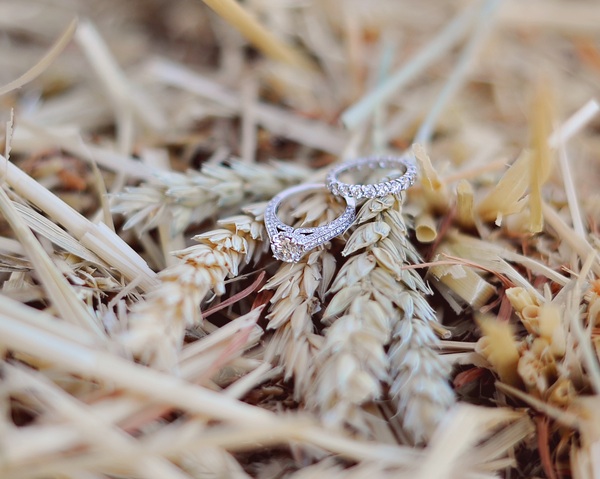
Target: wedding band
(375, 190)
(290, 244)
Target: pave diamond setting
(291, 244)
(376, 190)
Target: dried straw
(146, 124)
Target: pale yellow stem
(464, 204)
(425, 228)
(45, 62)
(273, 47)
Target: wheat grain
(377, 304)
(420, 377)
(299, 291)
(196, 196)
(352, 362)
(157, 325)
(294, 343)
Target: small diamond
(381, 189)
(370, 191)
(355, 190)
(286, 248)
(395, 186)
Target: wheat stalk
(295, 343)
(378, 304)
(157, 325)
(298, 293)
(197, 195)
(420, 386)
(263, 39)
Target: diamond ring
(375, 190)
(290, 244)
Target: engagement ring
(372, 190)
(290, 244)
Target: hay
(145, 329)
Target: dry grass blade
(30, 135)
(103, 436)
(54, 233)
(554, 15)
(56, 49)
(125, 98)
(483, 26)
(505, 198)
(449, 447)
(62, 295)
(579, 244)
(96, 237)
(313, 133)
(435, 49)
(112, 369)
(45, 322)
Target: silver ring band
(375, 190)
(290, 244)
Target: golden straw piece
(61, 293)
(499, 347)
(505, 198)
(425, 228)
(233, 13)
(434, 189)
(464, 204)
(541, 160)
(463, 281)
(577, 243)
(96, 237)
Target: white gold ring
(290, 244)
(375, 190)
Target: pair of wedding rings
(291, 244)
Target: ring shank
(289, 243)
(375, 190)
